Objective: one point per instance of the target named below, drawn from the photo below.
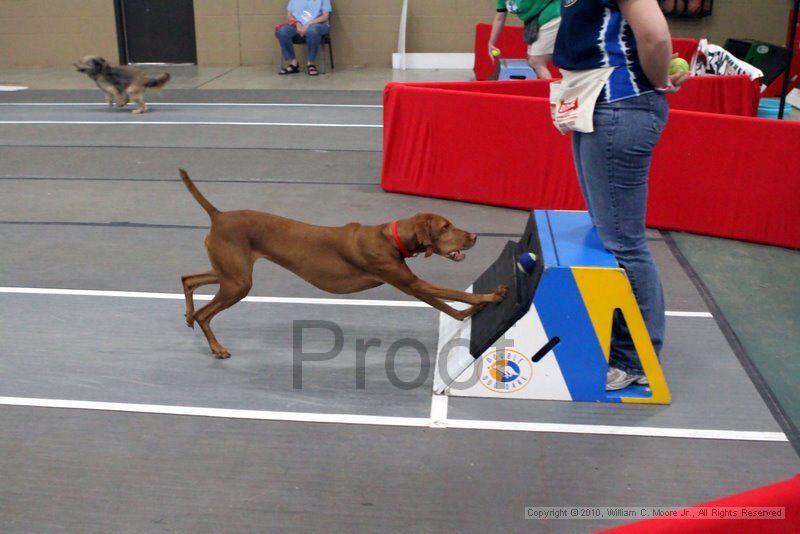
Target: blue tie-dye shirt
(593, 34)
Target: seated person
(309, 19)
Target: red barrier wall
(720, 175)
(784, 494)
(511, 46)
(731, 95)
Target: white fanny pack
(572, 99)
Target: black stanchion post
(788, 71)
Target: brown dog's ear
(422, 229)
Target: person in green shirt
(544, 15)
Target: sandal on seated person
(289, 69)
(312, 70)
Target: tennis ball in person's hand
(495, 52)
(678, 65)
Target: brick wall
(241, 31)
(56, 32)
(233, 32)
(365, 31)
(764, 20)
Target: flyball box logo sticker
(568, 105)
(505, 371)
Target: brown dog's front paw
(189, 320)
(498, 295)
(221, 352)
(494, 298)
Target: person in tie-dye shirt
(613, 161)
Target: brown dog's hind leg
(233, 267)
(191, 282)
(230, 292)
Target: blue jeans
(314, 35)
(612, 164)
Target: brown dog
(338, 260)
(120, 84)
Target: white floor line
(438, 410)
(353, 419)
(197, 123)
(198, 104)
(271, 300)
(300, 417)
(688, 314)
(179, 296)
(608, 430)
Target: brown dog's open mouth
(456, 255)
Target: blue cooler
(769, 108)
(516, 69)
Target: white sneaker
(617, 379)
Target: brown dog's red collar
(399, 244)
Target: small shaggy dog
(120, 84)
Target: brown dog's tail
(198, 196)
(157, 82)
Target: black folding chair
(326, 42)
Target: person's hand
(491, 55)
(301, 29)
(675, 81)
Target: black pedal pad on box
(494, 320)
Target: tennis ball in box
(495, 52)
(526, 262)
(678, 65)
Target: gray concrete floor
(245, 77)
(94, 207)
(350, 78)
(757, 288)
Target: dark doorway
(156, 31)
